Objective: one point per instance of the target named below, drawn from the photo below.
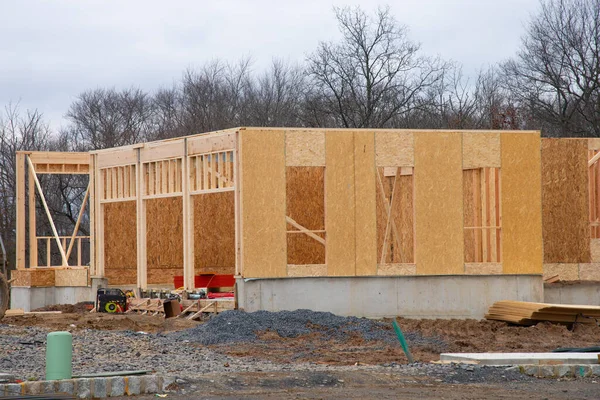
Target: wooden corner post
(20, 175)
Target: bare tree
(104, 118)
(373, 74)
(556, 73)
(18, 131)
(275, 98)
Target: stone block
(117, 386)
(99, 388)
(83, 388)
(13, 389)
(150, 384)
(133, 386)
(66, 386)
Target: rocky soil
(237, 344)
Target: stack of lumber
(526, 313)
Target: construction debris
(526, 313)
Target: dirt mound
(78, 308)
(101, 321)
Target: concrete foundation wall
(30, 298)
(455, 296)
(580, 293)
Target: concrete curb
(87, 388)
(560, 371)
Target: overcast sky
(50, 51)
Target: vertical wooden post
(33, 246)
(188, 224)
(20, 175)
(142, 267)
(237, 204)
(92, 185)
(100, 184)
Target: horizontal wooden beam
(212, 144)
(56, 157)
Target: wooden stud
(33, 245)
(92, 200)
(188, 227)
(142, 266)
(20, 177)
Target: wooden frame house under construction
(294, 212)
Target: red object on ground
(212, 295)
(207, 281)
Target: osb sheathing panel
(304, 148)
(340, 203)
(365, 213)
(71, 277)
(439, 203)
(302, 249)
(263, 203)
(214, 233)
(305, 197)
(394, 149)
(565, 208)
(164, 239)
(307, 270)
(593, 143)
(395, 196)
(589, 272)
(120, 243)
(595, 250)
(521, 204)
(483, 268)
(32, 277)
(481, 150)
(565, 272)
(396, 269)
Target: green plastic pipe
(402, 341)
(59, 356)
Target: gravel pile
(241, 327)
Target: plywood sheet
(340, 203)
(481, 149)
(71, 277)
(263, 203)
(521, 203)
(32, 277)
(439, 203)
(395, 218)
(214, 233)
(593, 143)
(565, 212)
(396, 269)
(595, 250)
(565, 272)
(589, 272)
(120, 243)
(394, 148)
(483, 268)
(304, 148)
(365, 212)
(307, 270)
(302, 249)
(305, 196)
(164, 239)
